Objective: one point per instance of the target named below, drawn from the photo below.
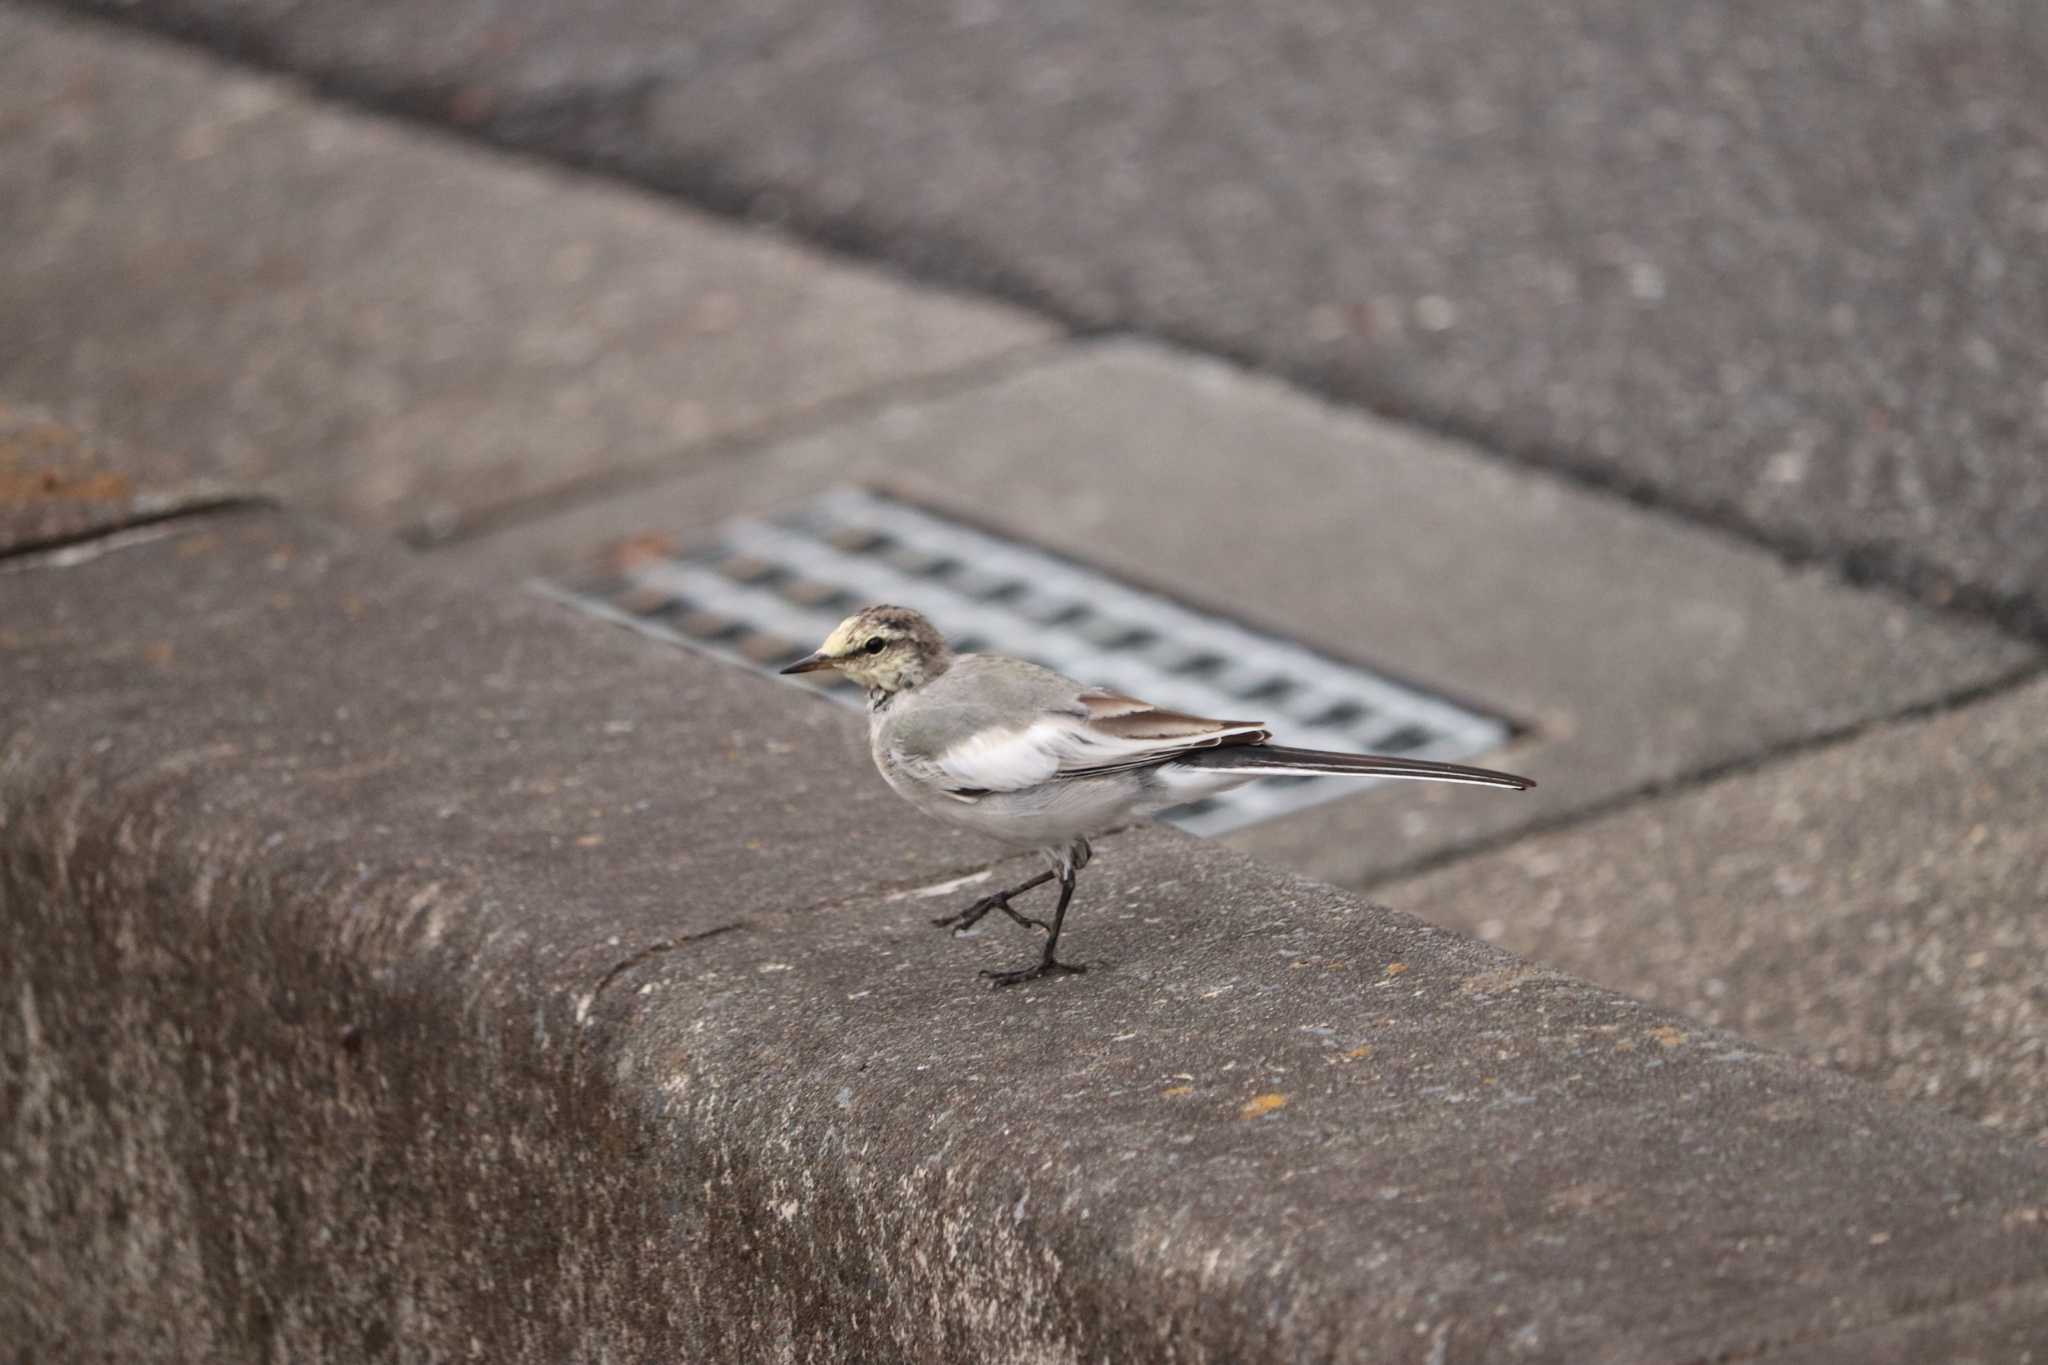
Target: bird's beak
(811, 664)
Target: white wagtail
(1010, 749)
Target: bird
(1014, 750)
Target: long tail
(1272, 760)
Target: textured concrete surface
(397, 972)
(217, 266)
(694, 763)
(57, 486)
(1636, 649)
(1777, 265)
(1881, 906)
(2009, 1327)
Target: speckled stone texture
(1773, 264)
(397, 973)
(2004, 1327)
(377, 322)
(1881, 906)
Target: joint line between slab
(61, 551)
(795, 424)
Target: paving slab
(1880, 906)
(1633, 649)
(223, 268)
(1775, 266)
(334, 1031)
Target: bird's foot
(1044, 967)
(974, 914)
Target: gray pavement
(389, 326)
(471, 943)
(483, 1058)
(1776, 266)
(1880, 906)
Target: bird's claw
(1022, 974)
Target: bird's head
(884, 649)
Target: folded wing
(1107, 732)
(1104, 732)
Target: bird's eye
(877, 645)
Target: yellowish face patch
(847, 648)
(845, 638)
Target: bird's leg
(1046, 965)
(999, 900)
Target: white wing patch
(1006, 760)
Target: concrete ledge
(392, 972)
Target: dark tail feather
(1272, 760)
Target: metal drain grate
(762, 592)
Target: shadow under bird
(1010, 749)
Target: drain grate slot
(760, 592)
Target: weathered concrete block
(397, 973)
(387, 325)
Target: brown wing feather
(1128, 718)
